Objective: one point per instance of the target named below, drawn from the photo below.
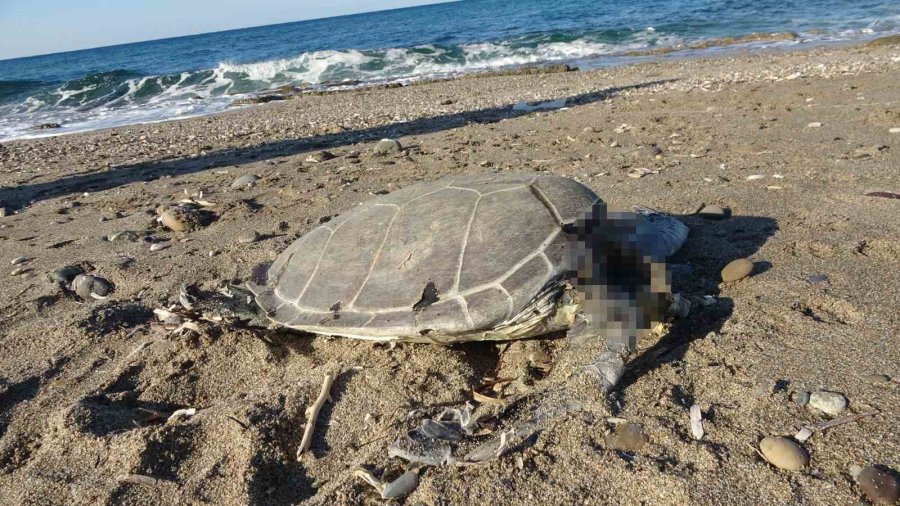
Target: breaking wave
(121, 97)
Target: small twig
(367, 443)
(312, 413)
(756, 450)
(842, 420)
(242, 424)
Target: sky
(33, 27)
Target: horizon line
(188, 35)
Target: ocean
(203, 74)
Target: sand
(86, 386)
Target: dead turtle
(489, 257)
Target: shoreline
(800, 146)
(728, 47)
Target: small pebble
(783, 453)
(855, 471)
(321, 156)
(877, 379)
(828, 402)
(737, 270)
(627, 437)
(158, 246)
(386, 146)
(244, 181)
(817, 279)
(19, 270)
(801, 398)
(879, 485)
(895, 130)
(248, 237)
(713, 212)
(124, 236)
(19, 260)
(814, 124)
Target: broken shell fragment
(627, 437)
(639, 172)
(401, 487)
(404, 485)
(696, 417)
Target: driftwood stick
(842, 420)
(312, 413)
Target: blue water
(202, 74)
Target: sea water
(204, 74)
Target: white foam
(228, 81)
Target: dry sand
(85, 386)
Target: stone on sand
(828, 402)
(784, 453)
(248, 237)
(801, 398)
(88, 286)
(321, 156)
(387, 146)
(879, 485)
(737, 270)
(123, 236)
(244, 181)
(713, 212)
(877, 379)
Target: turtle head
(623, 287)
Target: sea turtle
(489, 257)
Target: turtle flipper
(609, 367)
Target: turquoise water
(203, 74)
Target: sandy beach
(803, 147)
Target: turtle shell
(460, 258)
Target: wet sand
(790, 142)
